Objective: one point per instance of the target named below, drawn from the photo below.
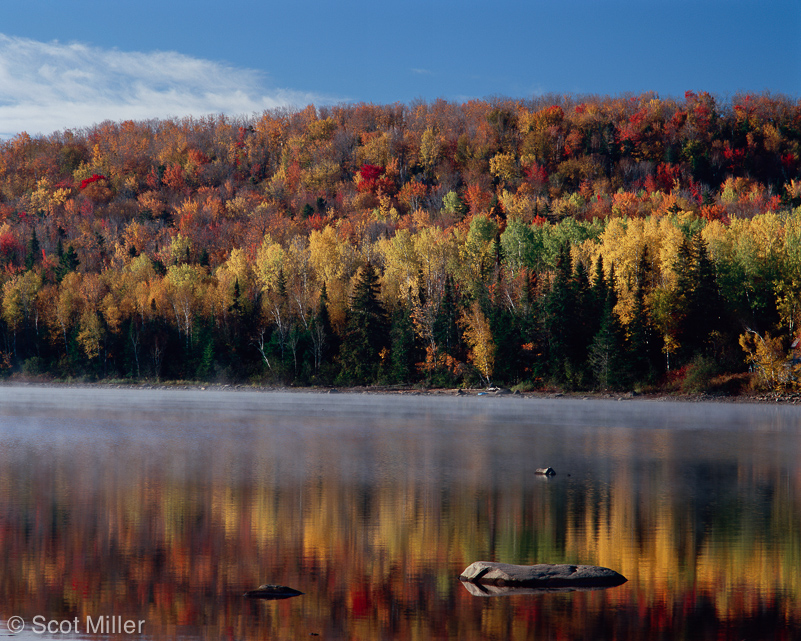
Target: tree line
(575, 242)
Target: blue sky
(71, 64)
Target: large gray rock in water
(542, 575)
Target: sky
(68, 65)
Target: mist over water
(165, 506)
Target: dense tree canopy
(590, 242)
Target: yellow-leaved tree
(185, 293)
(774, 368)
(478, 335)
(401, 266)
(332, 260)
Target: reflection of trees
(733, 547)
(705, 549)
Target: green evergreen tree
(67, 261)
(281, 286)
(599, 290)
(531, 341)
(506, 328)
(607, 351)
(236, 304)
(323, 319)
(684, 266)
(584, 325)
(366, 329)
(698, 304)
(279, 310)
(34, 250)
(446, 331)
(403, 346)
(205, 369)
(324, 339)
(233, 330)
(611, 288)
(707, 304)
(558, 317)
(643, 348)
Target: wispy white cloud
(51, 86)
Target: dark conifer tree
(698, 304)
(531, 336)
(684, 300)
(403, 346)
(323, 318)
(599, 290)
(642, 343)
(366, 329)
(236, 314)
(67, 261)
(643, 349)
(236, 305)
(32, 255)
(280, 287)
(280, 313)
(422, 296)
(707, 306)
(505, 327)
(206, 360)
(446, 331)
(585, 323)
(559, 316)
(611, 288)
(323, 338)
(607, 352)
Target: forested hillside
(580, 243)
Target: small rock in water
(268, 591)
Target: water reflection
(168, 506)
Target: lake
(162, 507)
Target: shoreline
(396, 390)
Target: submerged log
(541, 576)
(272, 592)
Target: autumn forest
(562, 242)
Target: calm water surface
(165, 506)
